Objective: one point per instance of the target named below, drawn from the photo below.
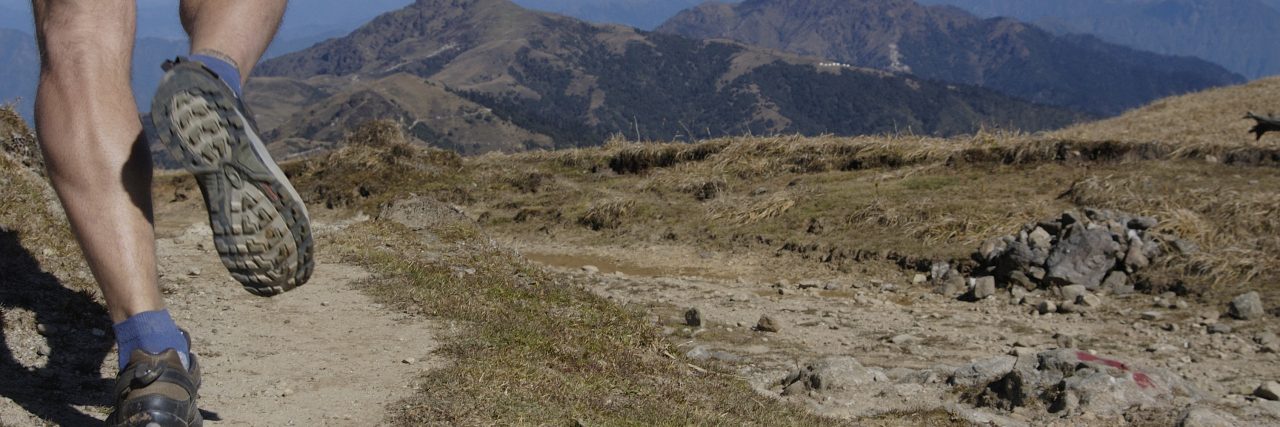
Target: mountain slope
(578, 83)
(642, 14)
(1237, 34)
(948, 44)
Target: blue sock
(153, 332)
(225, 70)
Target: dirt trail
(323, 354)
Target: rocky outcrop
(1070, 383)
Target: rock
(905, 339)
(919, 279)
(1020, 279)
(984, 287)
(1136, 259)
(1247, 307)
(1047, 307)
(1143, 223)
(939, 270)
(1199, 416)
(693, 317)
(767, 324)
(1219, 328)
(1152, 315)
(1269, 390)
(286, 393)
(590, 269)
(1072, 292)
(1269, 342)
(409, 361)
(46, 329)
(1068, 307)
(1185, 247)
(1089, 300)
(952, 285)
(193, 272)
(992, 249)
(1117, 283)
(1083, 257)
(836, 373)
(699, 353)
(1040, 239)
(809, 284)
(983, 372)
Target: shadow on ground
(66, 373)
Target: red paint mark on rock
(1142, 379)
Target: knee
(73, 33)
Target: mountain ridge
(946, 43)
(578, 82)
(1237, 34)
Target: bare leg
(236, 31)
(90, 134)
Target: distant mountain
(948, 44)
(573, 83)
(1240, 35)
(642, 14)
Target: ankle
(223, 66)
(152, 332)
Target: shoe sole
(261, 228)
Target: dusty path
(324, 354)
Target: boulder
(1083, 257)
(983, 372)
(992, 249)
(1247, 307)
(836, 373)
(1072, 382)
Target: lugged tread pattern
(261, 229)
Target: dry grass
(538, 349)
(30, 212)
(900, 197)
(1211, 117)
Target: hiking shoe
(154, 390)
(261, 228)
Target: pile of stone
(1098, 249)
(1070, 383)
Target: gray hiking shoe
(261, 229)
(155, 390)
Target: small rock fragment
(1269, 390)
(409, 361)
(1151, 315)
(767, 324)
(590, 269)
(1047, 307)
